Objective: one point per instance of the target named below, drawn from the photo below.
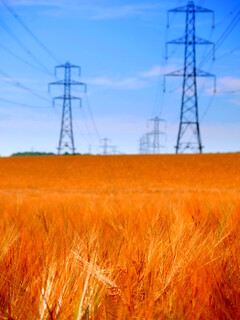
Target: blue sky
(120, 48)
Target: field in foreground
(120, 237)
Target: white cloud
(228, 84)
(94, 10)
(157, 70)
(139, 81)
(31, 3)
(122, 11)
(225, 85)
(235, 102)
(131, 83)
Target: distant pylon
(106, 146)
(189, 117)
(66, 140)
(142, 145)
(115, 150)
(150, 142)
(155, 134)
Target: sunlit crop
(120, 237)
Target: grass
(128, 237)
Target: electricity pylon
(115, 150)
(142, 145)
(145, 144)
(105, 146)
(149, 143)
(66, 140)
(155, 134)
(189, 119)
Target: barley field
(120, 237)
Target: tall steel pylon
(66, 140)
(189, 117)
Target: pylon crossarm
(181, 40)
(77, 83)
(68, 65)
(192, 8)
(176, 41)
(60, 66)
(178, 9)
(74, 98)
(77, 98)
(204, 74)
(203, 10)
(201, 73)
(180, 73)
(203, 41)
(71, 82)
(67, 98)
(60, 82)
(57, 98)
(76, 67)
(177, 73)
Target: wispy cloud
(235, 102)
(122, 11)
(139, 81)
(93, 10)
(228, 84)
(157, 71)
(35, 3)
(145, 78)
(130, 83)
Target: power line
(22, 45)
(22, 104)
(220, 40)
(207, 107)
(223, 37)
(14, 82)
(232, 11)
(86, 124)
(232, 91)
(230, 52)
(28, 30)
(91, 117)
(20, 59)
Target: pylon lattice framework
(189, 117)
(66, 139)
